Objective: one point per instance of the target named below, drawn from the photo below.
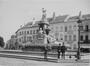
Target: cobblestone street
(22, 62)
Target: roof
(86, 16)
(29, 25)
(60, 18)
(56, 19)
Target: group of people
(61, 51)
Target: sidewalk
(84, 59)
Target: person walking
(45, 52)
(63, 49)
(59, 50)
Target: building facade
(84, 30)
(62, 31)
(27, 33)
(11, 44)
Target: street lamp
(78, 52)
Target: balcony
(85, 30)
(85, 42)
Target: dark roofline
(25, 28)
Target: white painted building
(66, 32)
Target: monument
(44, 27)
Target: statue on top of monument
(44, 14)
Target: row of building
(63, 28)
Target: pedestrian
(63, 49)
(45, 52)
(59, 50)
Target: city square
(43, 33)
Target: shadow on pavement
(42, 59)
(29, 58)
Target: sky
(14, 13)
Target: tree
(1, 42)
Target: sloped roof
(30, 24)
(60, 18)
(86, 16)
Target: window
(70, 37)
(24, 39)
(81, 38)
(75, 46)
(37, 31)
(19, 39)
(34, 36)
(27, 32)
(24, 32)
(81, 27)
(75, 27)
(70, 27)
(51, 28)
(56, 27)
(56, 34)
(30, 31)
(61, 28)
(86, 28)
(61, 37)
(74, 37)
(20, 33)
(33, 31)
(30, 38)
(86, 37)
(65, 28)
(65, 37)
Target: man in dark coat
(59, 50)
(45, 52)
(63, 49)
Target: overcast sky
(14, 13)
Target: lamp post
(78, 52)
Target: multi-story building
(84, 31)
(27, 33)
(62, 31)
(11, 44)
